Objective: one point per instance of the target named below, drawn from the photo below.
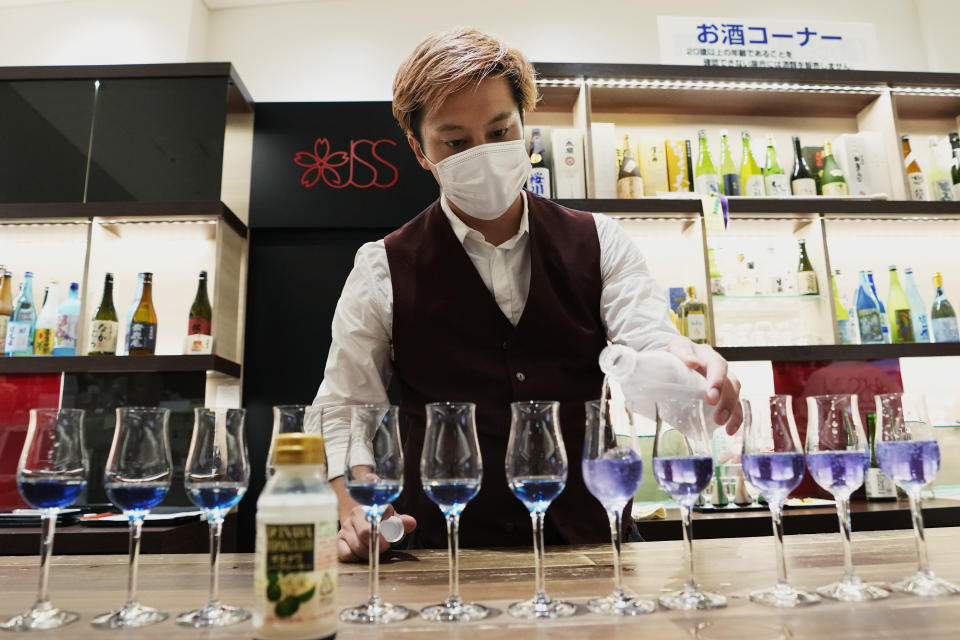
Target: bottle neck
(147, 295)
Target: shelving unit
(119, 364)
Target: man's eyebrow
(450, 127)
(457, 127)
(499, 117)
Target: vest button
(520, 376)
(506, 345)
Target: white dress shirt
(632, 307)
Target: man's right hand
(353, 540)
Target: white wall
(350, 49)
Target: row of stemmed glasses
(52, 473)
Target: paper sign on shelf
(715, 212)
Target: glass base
(619, 603)
(692, 599)
(541, 606)
(852, 590)
(213, 614)
(924, 583)
(375, 611)
(454, 610)
(783, 595)
(130, 616)
(41, 615)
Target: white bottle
(43, 336)
(295, 568)
(941, 184)
(643, 375)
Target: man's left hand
(723, 388)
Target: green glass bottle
(103, 325)
(201, 314)
(806, 277)
(729, 178)
(774, 176)
(898, 310)
(833, 183)
(751, 178)
(705, 180)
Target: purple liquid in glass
(912, 463)
(774, 474)
(685, 477)
(613, 478)
(839, 472)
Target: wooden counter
(90, 584)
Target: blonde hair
(448, 62)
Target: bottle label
(878, 485)
(630, 187)
(845, 329)
(716, 286)
(103, 337)
(539, 181)
(18, 338)
(944, 330)
(835, 189)
(4, 321)
(731, 184)
(904, 325)
(197, 343)
(697, 327)
(706, 184)
(754, 187)
(871, 330)
(65, 336)
(776, 184)
(807, 283)
(143, 335)
(296, 579)
(920, 320)
(43, 342)
(918, 186)
(804, 187)
(943, 190)
(197, 325)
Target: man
(490, 295)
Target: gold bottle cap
(299, 448)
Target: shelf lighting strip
(900, 219)
(136, 221)
(727, 85)
(65, 223)
(928, 91)
(559, 82)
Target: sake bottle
(629, 181)
(104, 326)
(833, 183)
(802, 182)
(915, 179)
(729, 178)
(943, 319)
(201, 315)
(46, 326)
(68, 323)
(751, 178)
(22, 321)
(898, 311)
(142, 337)
(6, 304)
(706, 180)
(774, 176)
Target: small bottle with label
(695, 318)
(103, 326)
(46, 326)
(295, 568)
(142, 336)
(68, 321)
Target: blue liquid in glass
(215, 495)
(839, 472)
(374, 494)
(613, 478)
(774, 474)
(49, 493)
(910, 464)
(136, 497)
(452, 496)
(537, 492)
(684, 477)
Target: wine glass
(612, 472)
(773, 463)
(287, 418)
(683, 466)
(451, 471)
(215, 476)
(536, 469)
(51, 474)
(374, 478)
(137, 478)
(908, 453)
(838, 457)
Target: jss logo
(361, 167)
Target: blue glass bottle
(884, 325)
(869, 315)
(921, 323)
(68, 323)
(23, 321)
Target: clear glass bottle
(295, 567)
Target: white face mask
(485, 180)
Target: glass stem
(686, 516)
(776, 512)
(48, 522)
(216, 530)
(136, 526)
(453, 551)
(374, 553)
(614, 516)
(843, 513)
(536, 517)
(917, 517)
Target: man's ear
(418, 152)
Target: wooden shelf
(87, 211)
(847, 352)
(774, 206)
(118, 364)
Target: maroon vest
(451, 342)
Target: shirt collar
(462, 231)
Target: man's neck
(496, 231)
